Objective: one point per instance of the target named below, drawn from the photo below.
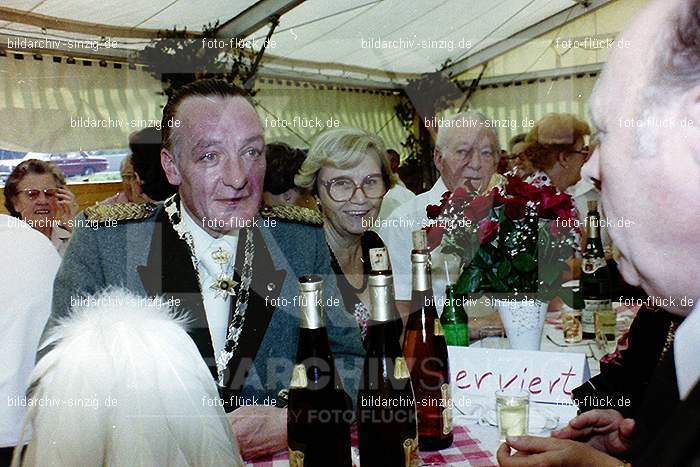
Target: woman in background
(348, 171)
(36, 192)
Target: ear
(437, 158)
(172, 172)
(562, 160)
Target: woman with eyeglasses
(35, 192)
(555, 148)
(348, 171)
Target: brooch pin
(224, 285)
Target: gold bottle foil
(299, 379)
(401, 369)
(410, 451)
(447, 409)
(438, 331)
(296, 458)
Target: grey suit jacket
(148, 258)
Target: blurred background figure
(143, 179)
(36, 192)
(283, 162)
(28, 267)
(142, 395)
(398, 194)
(555, 147)
(515, 161)
(348, 172)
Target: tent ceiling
(343, 33)
(429, 32)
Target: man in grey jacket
(208, 251)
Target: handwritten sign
(548, 376)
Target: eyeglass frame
(45, 190)
(327, 185)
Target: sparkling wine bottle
(426, 354)
(454, 320)
(595, 275)
(319, 411)
(386, 406)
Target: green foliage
(178, 58)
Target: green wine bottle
(454, 320)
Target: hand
(606, 430)
(67, 205)
(535, 451)
(260, 430)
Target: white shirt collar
(686, 346)
(438, 189)
(202, 239)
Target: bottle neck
(311, 316)
(381, 295)
(593, 225)
(421, 269)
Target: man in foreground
(208, 252)
(649, 176)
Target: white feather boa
(124, 385)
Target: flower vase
(523, 321)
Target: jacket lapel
(169, 272)
(265, 287)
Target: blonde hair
(552, 135)
(342, 148)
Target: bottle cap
(592, 205)
(420, 240)
(379, 259)
(310, 283)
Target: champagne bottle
(455, 322)
(386, 406)
(595, 275)
(426, 354)
(319, 411)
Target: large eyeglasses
(343, 189)
(33, 194)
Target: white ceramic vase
(523, 321)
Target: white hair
(476, 120)
(125, 385)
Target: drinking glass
(512, 412)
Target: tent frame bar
(523, 36)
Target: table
(466, 450)
(476, 443)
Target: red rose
(479, 207)
(435, 234)
(433, 211)
(487, 231)
(553, 203)
(517, 187)
(516, 208)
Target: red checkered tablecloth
(464, 451)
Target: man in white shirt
(648, 168)
(398, 194)
(466, 154)
(29, 264)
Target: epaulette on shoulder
(292, 213)
(120, 212)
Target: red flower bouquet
(515, 238)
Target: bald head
(647, 113)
